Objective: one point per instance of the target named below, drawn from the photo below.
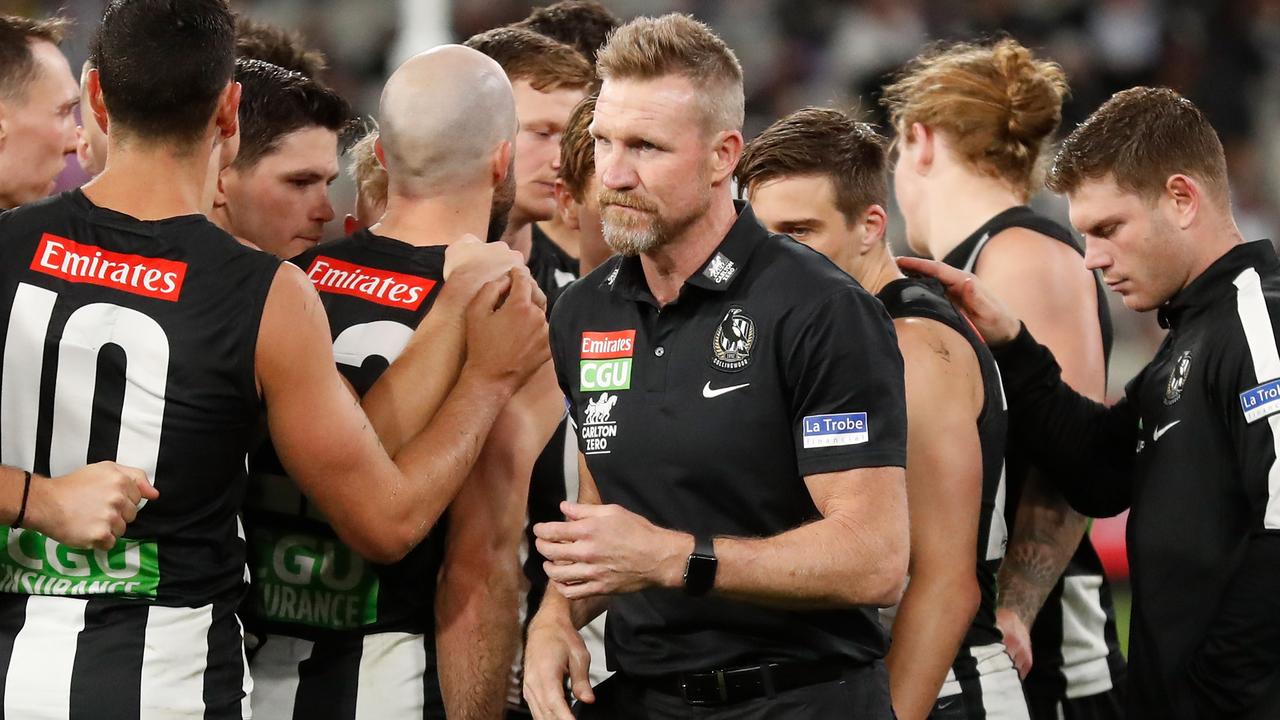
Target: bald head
(443, 115)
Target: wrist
(486, 385)
(37, 500)
(670, 571)
(1007, 333)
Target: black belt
(735, 685)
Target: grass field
(1123, 598)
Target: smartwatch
(700, 568)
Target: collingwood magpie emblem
(733, 340)
(1178, 378)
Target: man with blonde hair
(741, 501)
(371, 184)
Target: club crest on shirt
(733, 341)
(1178, 378)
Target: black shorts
(861, 695)
(1103, 706)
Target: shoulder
(585, 293)
(802, 278)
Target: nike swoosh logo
(708, 393)
(1160, 431)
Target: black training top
(1074, 641)
(131, 341)
(552, 268)
(306, 582)
(707, 414)
(915, 297)
(1191, 449)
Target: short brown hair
(17, 63)
(997, 103)
(648, 48)
(1142, 136)
(578, 148)
(282, 48)
(367, 172)
(821, 141)
(582, 24)
(544, 63)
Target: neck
(878, 272)
(150, 182)
(668, 267)
(561, 235)
(435, 220)
(958, 205)
(519, 235)
(1220, 238)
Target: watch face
(699, 574)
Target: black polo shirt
(706, 415)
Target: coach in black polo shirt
(739, 406)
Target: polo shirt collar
(1216, 280)
(716, 274)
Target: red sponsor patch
(605, 345)
(150, 277)
(380, 286)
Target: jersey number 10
(88, 329)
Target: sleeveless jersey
(129, 341)
(1074, 640)
(306, 582)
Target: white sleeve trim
(1255, 320)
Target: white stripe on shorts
(44, 652)
(174, 660)
(390, 685)
(275, 675)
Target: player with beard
(972, 123)
(38, 99)
(379, 655)
(741, 501)
(549, 78)
(276, 192)
(139, 332)
(819, 176)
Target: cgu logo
(605, 375)
(303, 560)
(122, 562)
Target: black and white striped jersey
(918, 297)
(129, 341)
(1076, 648)
(343, 637)
(306, 582)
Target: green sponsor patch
(33, 564)
(597, 375)
(308, 579)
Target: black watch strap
(700, 569)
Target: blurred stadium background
(1223, 54)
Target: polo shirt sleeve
(846, 378)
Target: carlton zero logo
(384, 287)
(606, 360)
(68, 260)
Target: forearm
(477, 635)
(578, 613)
(832, 563)
(1085, 448)
(12, 481)
(413, 388)
(1236, 665)
(437, 460)
(930, 626)
(1046, 532)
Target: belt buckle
(722, 690)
